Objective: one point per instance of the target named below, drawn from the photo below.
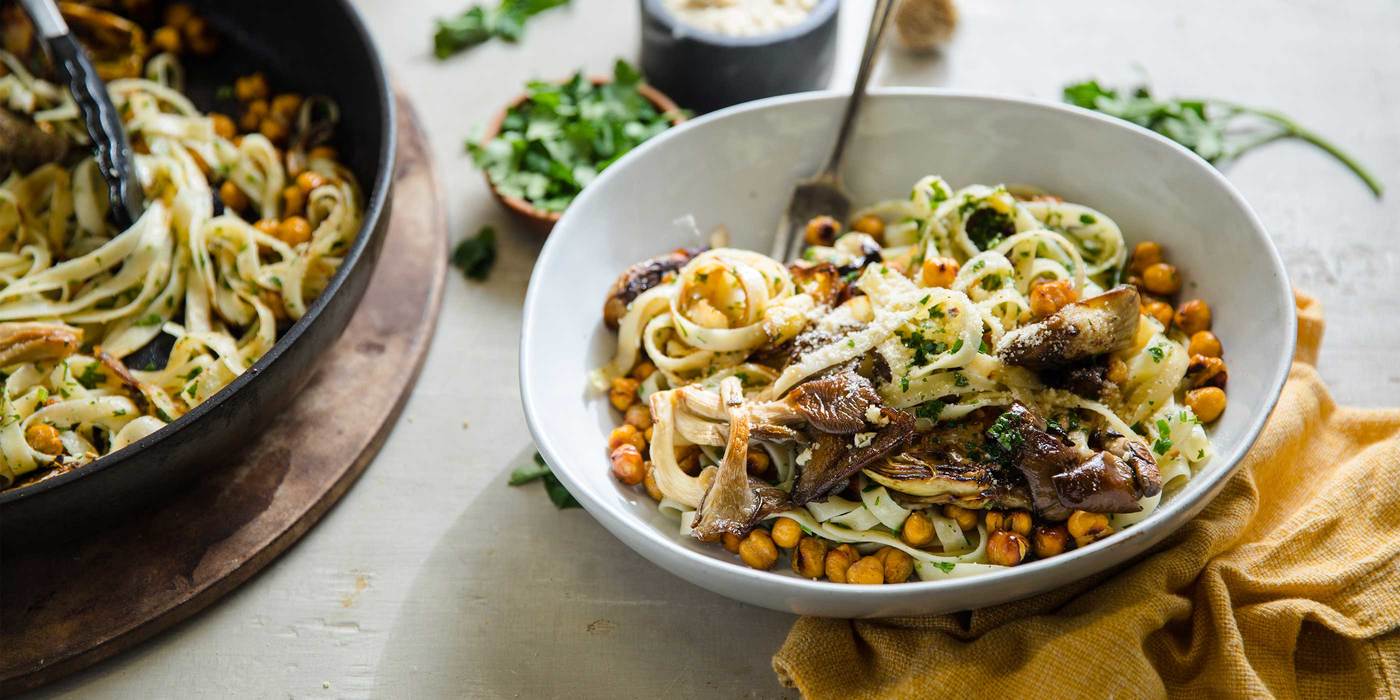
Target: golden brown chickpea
(1192, 316)
(1006, 548)
(1206, 371)
(758, 551)
(917, 530)
(1162, 279)
(1049, 297)
(786, 532)
(293, 201)
(253, 115)
(966, 518)
(938, 272)
(731, 541)
(626, 434)
(809, 558)
(286, 106)
(223, 125)
(898, 566)
(868, 570)
(275, 130)
(1117, 370)
(849, 549)
(838, 561)
(1207, 403)
(268, 226)
(1205, 344)
(1087, 527)
(758, 461)
(294, 230)
(822, 230)
(627, 465)
(250, 88)
(1019, 522)
(623, 392)
(177, 14)
(870, 224)
(638, 415)
(321, 152)
(44, 438)
(996, 521)
(650, 483)
(1160, 310)
(1145, 254)
(309, 180)
(200, 38)
(232, 196)
(647, 434)
(166, 39)
(1050, 540)
(643, 370)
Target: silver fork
(823, 194)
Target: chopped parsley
(558, 495)
(1087, 219)
(476, 255)
(959, 379)
(945, 566)
(90, 377)
(988, 227)
(1164, 441)
(479, 24)
(930, 410)
(1156, 352)
(149, 320)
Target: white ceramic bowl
(736, 168)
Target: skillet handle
(104, 127)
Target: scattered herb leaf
(480, 23)
(559, 495)
(474, 256)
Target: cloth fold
(1286, 585)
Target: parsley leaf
(930, 410)
(90, 377)
(1217, 130)
(474, 256)
(945, 566)
(556, 491)
(479, 24)
(1156, 352)
(1164, 441)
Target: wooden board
(63, 610)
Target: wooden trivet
(62, 610)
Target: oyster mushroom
(1080, 330)
(729, 504)
(641, 277)
(34, 342)
(25, 146)
(1113, 480)
(938, 467)
(833, 460)
(1039, 456)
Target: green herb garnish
(1164, 441)
(479, 24)
(474, 256)
(930, 410)
(559, 495)
(1156, 352)
(90, 377)
(1217, 130)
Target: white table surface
(433, 578)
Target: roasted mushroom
(945, 465)
(33, 342)
(25, 146)
(1080, 330)
(836, 403)
(833, 461)
(641, 277)
(1038, 454)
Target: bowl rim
(1094, 557)
(375, 205)
(819, 16)
(522, 207)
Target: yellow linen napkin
(1286, 585)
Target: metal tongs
(104, 124)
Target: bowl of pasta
(135, 358)
(1039, 345)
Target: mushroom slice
(937, 468)
(24, 146)
(641, 277)
(730, 505)
(836, 403)
(821, 280)
(833, 461)
(1101, 484)
(1080, 330)
(1038, 455)
(33, 342)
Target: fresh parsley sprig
(1217, 130)
(476, 255)
(480, 23)
(559, 495)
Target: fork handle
(878, 20)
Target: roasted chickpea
(274, 129)
(758, 551)
(868, 570)
(177, 14)
(966, 518)
(1162, 279)
(870, 224)
(223, 125)
(809, 558)
(250, 87)
(1049, 297)
(917, 530)
(627, 465)
(199, 36)
(1160, 310)
(232, 197)
(268, 226)
(898, 565)
(166, 39)
(1117, 370)
(1019, 522)
(286, 106)
(838, 562)
(758, 461)
(321, 153)
(643, 370)
(293, 201)
(822, 230)
(1205, 344)
(1207, 403)
(310, 180)
(1192, 316)
(647, 433)
(1145, 254)
(1006, 548)
(638, 415)
(786, 532)
(1087, 527)
(253, 115)
(731, 541)
(623, 392)
(1206, 371)
(294, 230)
(1050, 540)
(44, 438)
(626, 434)
(650, 483)
(997, 521)
(938, 272)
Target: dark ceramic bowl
(339, 60)
(705, 71)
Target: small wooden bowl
(539, 219)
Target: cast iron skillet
(307, 46)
